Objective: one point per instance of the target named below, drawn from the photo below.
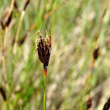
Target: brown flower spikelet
(2, 91)
(107, 105)
(43, 48)
(96, 53)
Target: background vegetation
(78, 27)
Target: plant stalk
(18, 31)
(7, 106)
(45, 72)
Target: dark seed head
(107, 105)
(20, 42)
(96, 53)
(9, 19)
(16, 6)
(89, 103)
(6, 19)
(26, 4)
(2, 91)
(43, 48)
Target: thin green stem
(45, 71)
(7, 106)
(18, 31)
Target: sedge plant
(43, 46)
(3, 94)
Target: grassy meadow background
(78, 27)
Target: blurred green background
(77, 28)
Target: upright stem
(18, 31)
(7, 106)
(45, 72)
